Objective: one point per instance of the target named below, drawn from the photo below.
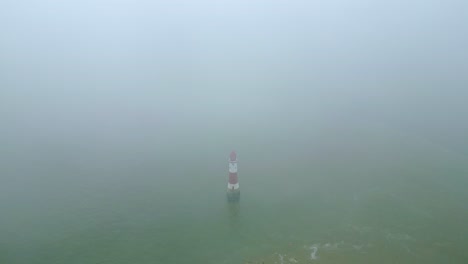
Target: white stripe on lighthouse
(232, 167)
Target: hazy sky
(80, 63)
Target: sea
(313, 190)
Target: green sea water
(347, 193)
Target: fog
(117, 119)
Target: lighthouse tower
(233, 191)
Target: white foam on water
(293, 260)
(361, 229)
(313, 254)
(281, 258)
(409, 250)
(398, 236)
(358, 247)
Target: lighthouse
(233, 191)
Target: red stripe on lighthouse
(233, 178)
(233, 156)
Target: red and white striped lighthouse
(233, 191)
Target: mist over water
(348, 118)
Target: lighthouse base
(233, 195)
